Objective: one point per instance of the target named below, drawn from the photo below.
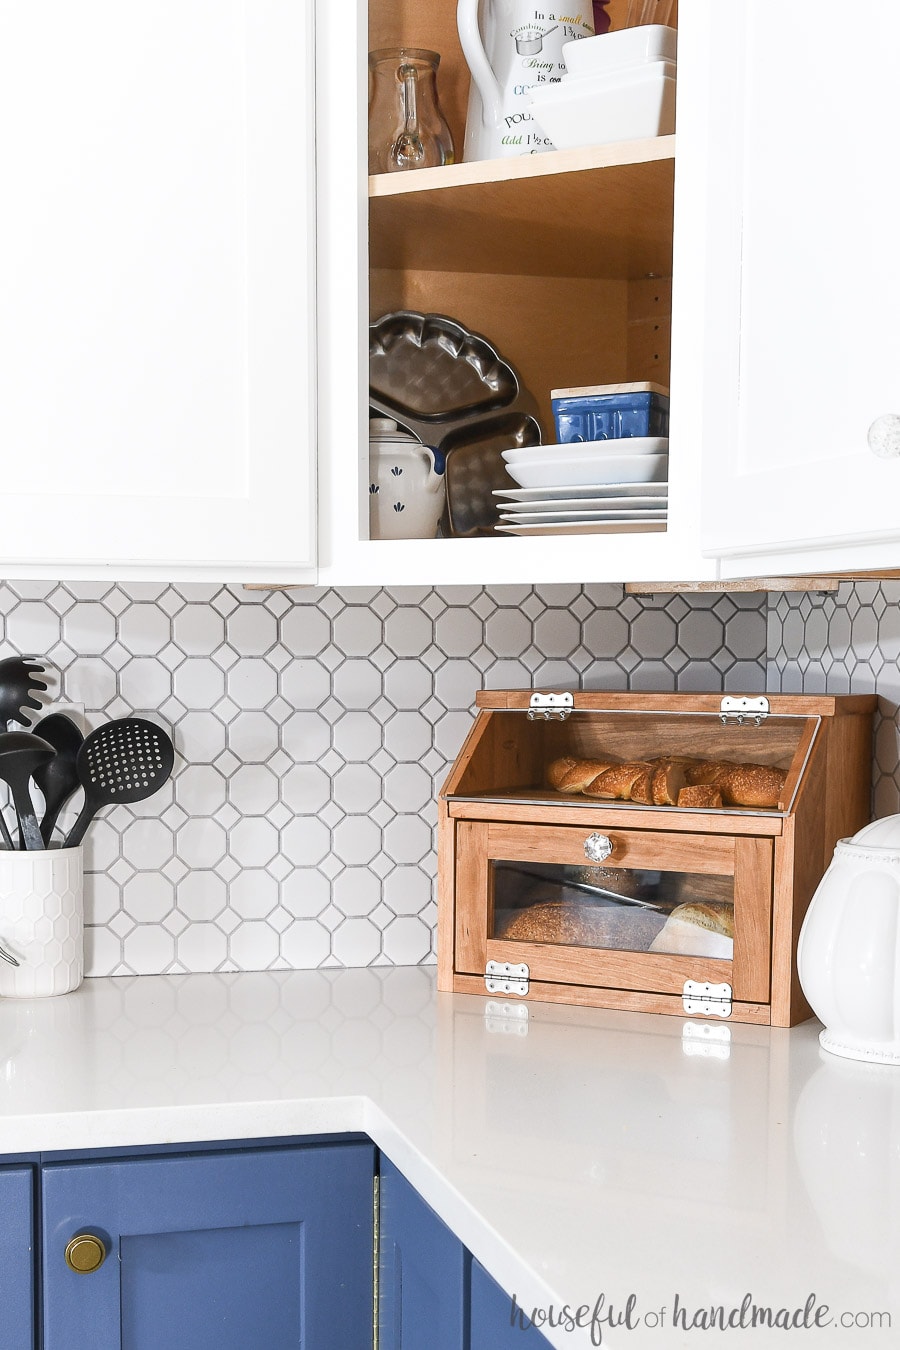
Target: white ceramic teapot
(511, 46)
(848, 955)
(406, 484)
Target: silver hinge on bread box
(743, 710)
(501, 977)
(547, 707)
(710, 1000)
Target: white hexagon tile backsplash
(846, 643)
(312, 730)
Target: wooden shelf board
(605, 211)
(523, 168)
(747, 585)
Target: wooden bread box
(568, 871)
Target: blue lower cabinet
(17, 1259)
(234, 1251)
(497, 1322)
(423, 1272)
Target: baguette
(700, 796)
(642, 787)
(759, 785)
(573, 775)
(557, 770)
(617, 782)
(671, 781)
(669, 777)
(709, 772)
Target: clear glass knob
(598, 847)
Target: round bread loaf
(698, 928)
(716, 915)
(582, 924)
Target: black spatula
(123, 761)
(58, 778)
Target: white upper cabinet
(563, 261)
(157, 410)
(801, 352)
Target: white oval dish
(626, 445)
(598, 469)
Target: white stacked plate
(589, 487)
(639, 459)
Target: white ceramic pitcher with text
(511, 46)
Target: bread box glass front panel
(663, 907)
(614, 908)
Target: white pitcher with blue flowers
(406, 484)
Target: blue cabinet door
(232, 1251)
(423, 1272)
(16, 1259)
(495, 1320)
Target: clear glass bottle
(407, 129)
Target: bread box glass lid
(655, 757)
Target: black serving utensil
(58, 778)
(4, 833)
(123, 761)
(17, 683)
(21, 753)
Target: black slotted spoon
(123, 761)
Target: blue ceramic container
(610, 417)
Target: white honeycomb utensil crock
(42, 921)
(848, 956)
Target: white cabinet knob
(884, 436)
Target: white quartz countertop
(581, 1155)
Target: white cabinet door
(802, 347)
(157, 406)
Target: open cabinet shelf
(591, 212)
(562, 261)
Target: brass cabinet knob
(85, 1253)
